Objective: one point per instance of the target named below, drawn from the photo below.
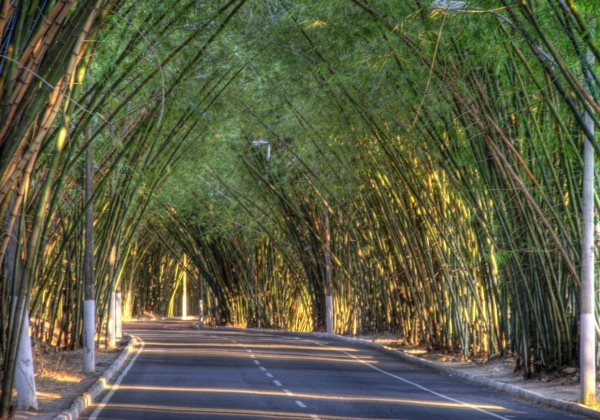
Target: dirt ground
(60, 380)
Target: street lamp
(448, 5)
(463, 6)
(261, 142)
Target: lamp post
(201, 300)
(587, 340)
(261, 142)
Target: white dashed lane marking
(277, 383)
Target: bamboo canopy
(420, 162)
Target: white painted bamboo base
(89, 330)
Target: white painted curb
(513, 390)
(83, 402)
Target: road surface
(185, 373)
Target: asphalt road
(182, 372)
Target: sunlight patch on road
(253, 345)
(217, 411)
(330, 397)
(325, 357)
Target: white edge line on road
(421, 387)
(115, 387)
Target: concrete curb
(84, 401)
(509, 389)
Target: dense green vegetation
(436, 144)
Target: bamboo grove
(424, 156)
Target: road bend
(182, 372)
